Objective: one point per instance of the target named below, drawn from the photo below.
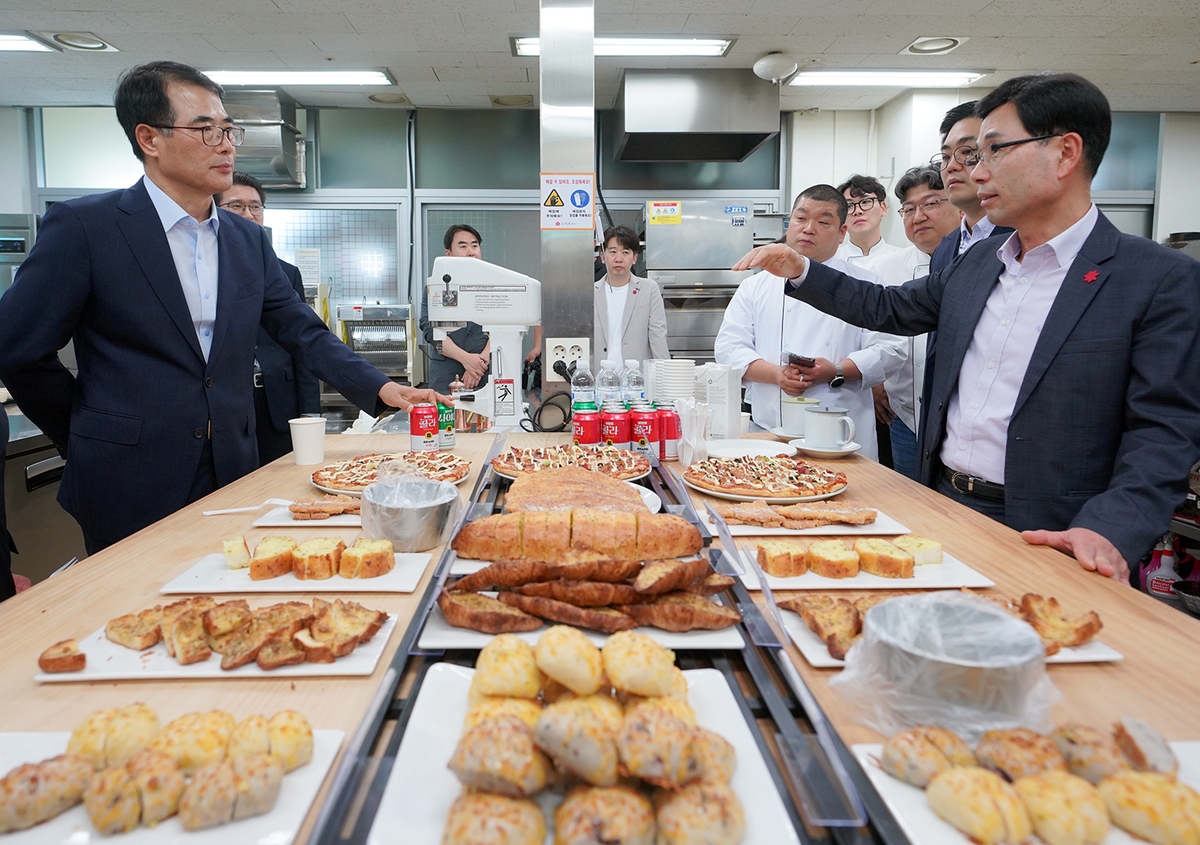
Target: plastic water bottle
(583, 384)
(633, 383)
(608, 383)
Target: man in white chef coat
(866, 200)
(759, 327)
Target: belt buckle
(970, 482)
(258, 379)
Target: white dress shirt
(194, 248)
(761, 322)
(851, 253)
(968, 237)
(615, 298)
(1001, 347)
(904, 387)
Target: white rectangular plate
(883, 525)
(107, 661)
(73, 827)
(817, 654)
(439, 634)
(281, 517)
(212, 575)
(421, 789)
(951, 573)
(923, 827)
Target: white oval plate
(649, 497)
(849, 449)
(783, 435)
(747, 448)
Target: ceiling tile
(499, 23)
(47, 21)
(470, 101)
(280, 24)
(430, 100)
(507, 59)
(243, 61)
(241, 42)
(1078, 27)
(807, 8)
(489, 74)
(1155, 27)
(1155, 8)
(1068, 8)
(711, 7)
(753, 46)
(651, 24)
(342, 42)
(741, 24)
(427, 59)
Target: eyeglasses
(237, 206)
(987, 152)
(213, 136)
(864, 204)
(927, 208)
(964, 155)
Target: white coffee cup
(308, 440)
(823, 427)
(791, 414)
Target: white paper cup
(745, 422)
(791, 413)
(308, 440)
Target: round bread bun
(637, 664)
(482, 817)
(507, 667)
(566, 655)
(491, 707)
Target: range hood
(272, 150)
(694, 115)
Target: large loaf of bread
(577, 535)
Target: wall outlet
(567, 350)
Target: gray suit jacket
(1107, 420)
(644, 331)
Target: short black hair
(959, 112)
(826, 193)
(925, 174)
(860, 186)
(1057, 103)
(240, 178)
(141, 96)
(625, 236)
(448, 239)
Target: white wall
(86, 148)
(1175, 208)
(827, 147)
(14, 187)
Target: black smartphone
(801, 360)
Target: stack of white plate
(674, 379)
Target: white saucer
(849, 449)
(746, 448)
(783, 435)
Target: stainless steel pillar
(567, 77)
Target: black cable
(557, 401)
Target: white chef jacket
(904, 387)
(848, 251)
(761, 322)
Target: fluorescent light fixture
(14, 41)
(889, 78)
(299, 77)
(608, 45)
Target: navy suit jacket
(291, 390)
(134, 421)
(1107, 420)
(7, 588)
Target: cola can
(445, 426)
(644, 431)
(669, 434)
(585, 427)
(423, 427)
(615, 427)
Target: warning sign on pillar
(568, 201)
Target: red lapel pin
(1091, 276)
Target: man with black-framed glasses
(866, 199)
(163, 296)
(1067, 400)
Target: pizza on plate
(356, 473)
(764, 476)
(615, 463)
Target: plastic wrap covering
(947, 659)
(412, 511)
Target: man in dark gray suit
(1067, 398)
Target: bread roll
(616, 815)
(209, 799)
(250, 736)
(1065, 809)
(916, 755)
(132, 728)
(257, 779)
(36, 792)
(707, 811)
(89, 739)
(490, 707)
(159, 782)
(499, 756)
(291, 739)
(112, 801)
(1018, 753)
(879, 557)
(655, 744)
(1089, 754)
(980, 804)
(507, 666)
(580, 734)
(480, 817)
(831, 559)
(716, 756)
(1151, 806)
(569, 657)
(635, 663)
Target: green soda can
(445, 426)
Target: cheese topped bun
(507, 666)
(637, 664)
(569, 657)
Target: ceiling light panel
(889, 78)
(606, 45)
(19, 42)
(299, 77)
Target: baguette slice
(832, 559)
(682, 612)
(138, 631)
(603, 619)
(279, 650)
(314, 651)
(187, 638)
(782, 558)
(236, 552)
(367, 559)
(173, 611)
(662, 576)
(63, 656)
(482, 613)
(272, 558)
(925, 552)
(317, 559)
(879, 557)
(227, 617)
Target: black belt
(258, 380)
(969, 485)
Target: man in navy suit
(163, 295)
(8, 587)
(1067, 399)
(283, 388)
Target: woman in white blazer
(628, 315)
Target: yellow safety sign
(554, 200)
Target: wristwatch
(839, 377)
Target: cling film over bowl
(414, 512)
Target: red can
(615, 427)
(645, 431)
(669, 434)
(585, 427)
(423, 427)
